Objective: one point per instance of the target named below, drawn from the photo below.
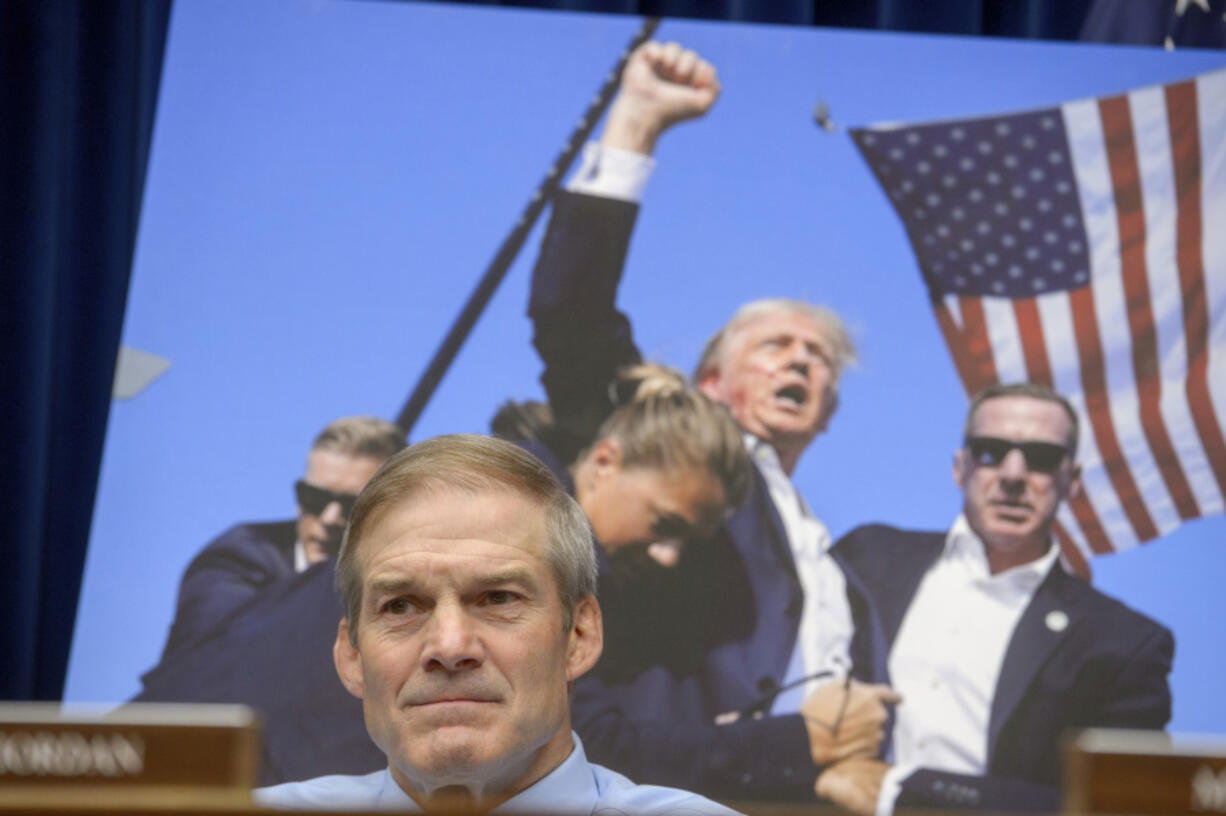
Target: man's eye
(398, 606)
(499, 597)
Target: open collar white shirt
(946, 658)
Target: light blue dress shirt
(574, 787)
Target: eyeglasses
(1041, 457)
(314, 500)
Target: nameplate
(145, 751)
(1144, 772)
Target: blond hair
(663, 423)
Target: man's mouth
(793, 395)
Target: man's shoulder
(617, 794)
(872, 541)
(336, 792)
(1113, 618)
(258, 540)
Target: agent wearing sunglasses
(995, 648)
(249, 558)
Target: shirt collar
(568, 788)
(964, 546)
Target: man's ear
(586, 638)
(1074, 486)
(711, 385)
(961, 468)
(348, 661)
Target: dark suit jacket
(227, 574)
(737, 596)
(1108, 668)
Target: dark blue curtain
(79, 84)
(78, 87)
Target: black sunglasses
(1041, 457)
(314, 500)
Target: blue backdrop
(327, 182)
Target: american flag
(1084, 247)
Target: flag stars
(983, 227)
(958, 213)
(984, 147)
(1057, 265)
(1008, 241)
(1002, 128)
(991, 259)
(975, 195)
(1047, 123)
(942, 230)
(967, 244)
(1063, 187)
(1075, 247)
(1025, 224)
(869, 139)
(1069, 220)
(998, 287)
(1081, 277)
(1010, 161)
(1037, 174)
(932, 199)
(1050, 237)
(993, 177)
(913, 138)
(952, 255)
(940, 150)
(919, 213)
(949, 181)
(1032, 253)
(1015, 271)
(923, 168)
(1028, 142)
(1044, 205)
(966, 163)
(1039, 284)
(1018, 191)
(1001, 208)
(977, 269)
(1055, 157)
(896, 153)
(957, 134)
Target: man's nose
(1013, 467)
(799, 355)
(451, 643)
(333, 515)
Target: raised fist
(663, 84)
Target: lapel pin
(1056, 620)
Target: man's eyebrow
(390, 585)
(510, 576)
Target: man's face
(320, 530)
(775, 376)
(461, 660)
(1008, 503)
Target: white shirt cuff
(611, 172)
(891, 786)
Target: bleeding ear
(348, 661)
(586, 638)
(711, 385)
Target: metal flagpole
(510, 247)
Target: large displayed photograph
(888, 373)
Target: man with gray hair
(468, 577)
(771, 611)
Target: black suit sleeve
(578, 332)
(749, 760)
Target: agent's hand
(853, 784)
(846, 720)
(663, 84)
